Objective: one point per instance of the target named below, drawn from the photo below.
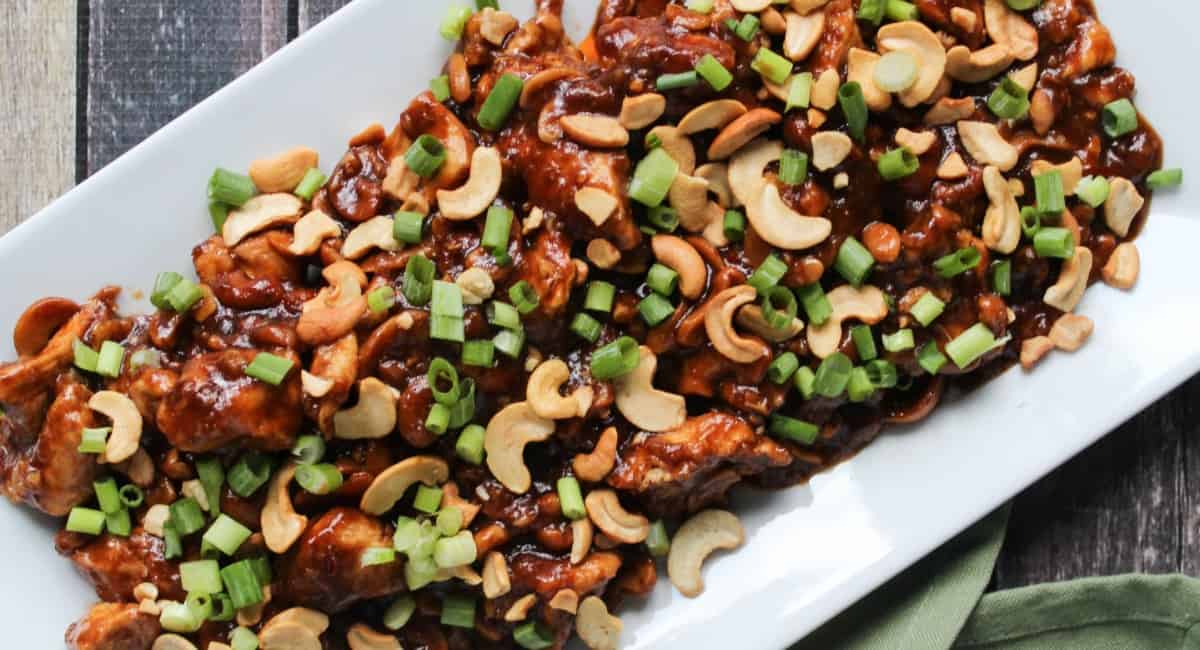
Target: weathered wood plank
(37, 78)
(151, 60)
(1124, 505)
(314, 11)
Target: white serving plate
(810, 551)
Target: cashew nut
(476, 285)
(860, 67)
(1026, 77)
(641, 111)
(866, 304)
(337, 308)
(260, 213)
(543, 397)
(646, 407)
(400, 182)
(602, 253)
(718, 323)
(595, 466)
(362, 637)
(914, 37)
(373, 417)
(596, 203)
(696, 539)
(680, 256)
(520, 609)
(481, 188)
(312, 229)
(451, 499)
(515, 426)
(283, 172)
(1071, 172)
(677, 145)
(496, 582)
(1034, 350)
(126, 433)
(746, 168)
(156, 517)
(195, 490)
(598, 131)
(751, 318)
(1010, 29)
(737, 133)
(830, 148)
(985, 144)
(1124, 203)
(825, 90)
(288, 636)
(949, 111)
(1002, 221)
(565, 600)
(717, 176)
(1071, 331)
(281, 524)
(750, 6)
(1123, 266)
(1072, 280)
(952, 168)
(541, 81)
(689, 196)
(309, 619)
(974, 67)
(604, 509)
(780, 225)
(391, 484)
(495, 26)
(598, 629)
(803, 34)
(711, 115)
(368, 235)
(581, 539)
(172, 642)
(919, 143)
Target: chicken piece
(652, 46)
(52, 475)
(547, 267)
(215, 404)
(115, 565)
(336, 362)
(693, 466)
(355, 189)
(426, 115)
(841, 33)
(546, 576)
(232, 281)
(324, 568)
(113, 626)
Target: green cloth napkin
(939, 604)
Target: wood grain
(312, 12)
(151, 60)
(37, 109)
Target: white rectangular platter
(811, 551)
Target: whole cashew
(543, 397)
(711, 115)
(1010, 29)
(481, 188)
(689, 196)
(172, 642)
(978, 66)
(751, 318)
(362, 637)
(718, 323)
(126, 434)
(281, 524)
(640, 111)
(595, 466)
(680, 256)
(695, 541)
(515, 426)
(581, 539)
(373, 417)
(369, 235)
(1072, 281)
(717, 177)
(288, 636)
(985, 144)
(1002, 221)
(260, 213)
(781, 226)
(866, 304)
(737, 133)
(747, 168)
(1123, 205)
(597, 131)
(391, 484)
(803, 34)
(598, 629)
(917, 39)
(309, 619)
(646, 407)
(38, 323)
(312, 229)
(337, 308)
(283, 172)
(604, 509)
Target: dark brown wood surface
(1130, 503)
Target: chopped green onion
(187, 516)
(872, 11)
(454, 22)
(449, 521)
(480, 353)
(793, 167)
(132, 496)
(320, 478)
(380, 300)
(308, 449)
(1164, 179)
(677, 80)
(418, 279)
(145, 358)
(1048, 188)
(700, 6)
(242, 584)
(832, 375)
(958, 262)
(502, 314)
(1054, 242)
(734, 225)
(882, 373)
(615, 359)
(86, 521)
(399, 612)
(658, 542)
(458, 550)
(1009, 101)
(163, 284)
(816, 304)
(779, 307)
(438, 420)
(227, 535)
(898, 163)
(586, 327)
(1119, 118)
(469, 445)
(484, 4)
(201, 576)
(425, 156)
(864, 342)
(1002, 277)
(420, 571)
(930, 358)
(655, 309)
(406, 227)
(463, 411)
(93, 441)
(446, 312)
(663, 218)
(533, 636)
(771, 66)
(107, 495)
(442, 373)
(805, 380)
(600, 295)
(662, 279)
(172, 544)
(440, 87)
(500, 102)
(407, 535)
(854, 262)
(313, 180)
(768, 274)
(184, 295)
(783, 367)
(899, 341)
(895, 71)
(854, 106)
(523, 297)
(747, 28)
(799, 91)
(219, 213)
(249, 473)
(1031, 222)
(900, 11)
(118, 523)
(178, 617)
(496, 230)
(1092, 190)
(269, 368)
(966, 348)
(653, 178)
(1022, 5)
(802, 432)
(510, 342)
(571, 498)
(711, 70)
(376, 556)
(428, 499)
(927, 308)
(859, 388)
(230, 188)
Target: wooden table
(84, 80)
